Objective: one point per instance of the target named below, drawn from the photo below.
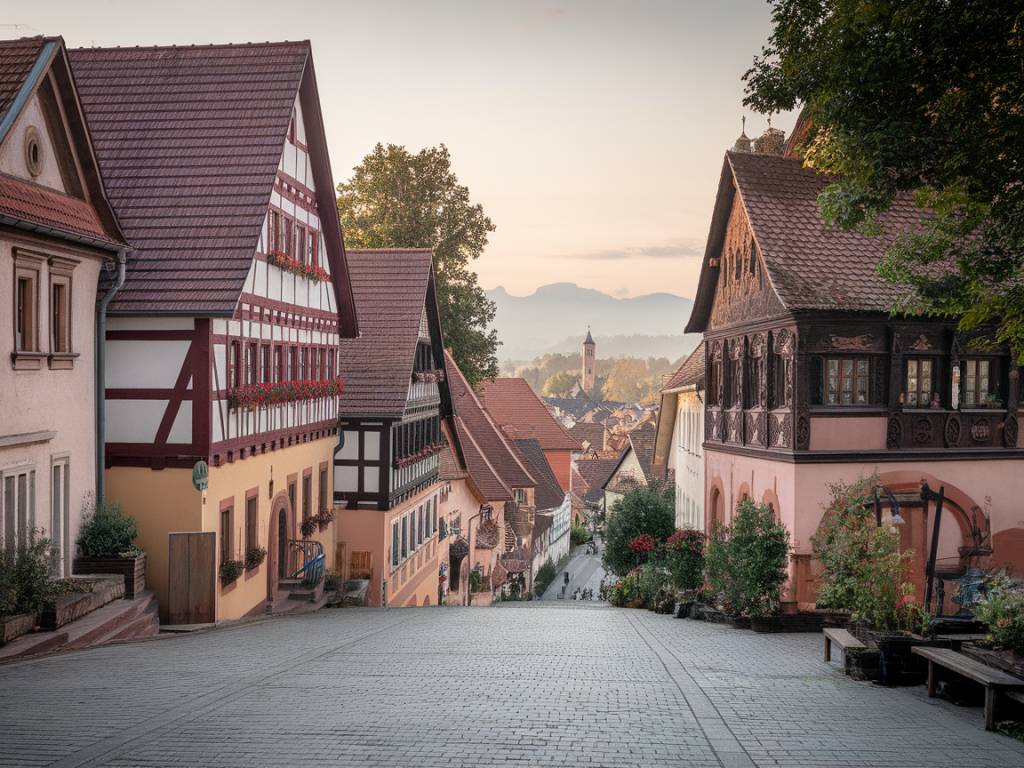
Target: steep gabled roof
(38, 66)
(390, 288)
(548, 494)
(641, 441)
(689, 373)
(809, 266)
(189, 141)
(514, 405)
(490, 460)
(593, 474)
(591, 432)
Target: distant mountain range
(554, 318)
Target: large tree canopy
(396, 199)
(923, 97)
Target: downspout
(101, 377)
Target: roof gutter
(62, 234)
(28, 87)
(101, 377)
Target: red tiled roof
(690, 371)
(548, 493)
(594, 473)
(36, 204)
(641, 440)
(514, 405)
(189, 140)
(390, 290)
(489, 458)
(591, 432)
(16, 60)
(810, 267)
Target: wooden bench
(840, 637)
(994, 680)
(955, 641)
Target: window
(251, 364)
(405, 536)
(331, 364)
(225, 534)
(18, 506)
(273, 228)
(307, 492)
(25, 339)
(301, 252)
(60, 316)
(735, 382)
(394, 544)
(846, 381)
(265, 371)
(714, 380)
(304, 365)
(780, 375)
(977, 381)
(753, 388)
(920, 382)
(434, 526)
(287, 237)
(293, 363)
(419, 525)
(60, 516)
(235, 365)
(323, 489)
(520, 495)
(314, 256)
(251, 522)
(278, 364)
(291, 493)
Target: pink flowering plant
(310, 271)
(272, 393)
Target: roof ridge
(194, 46)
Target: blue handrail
(313, 562)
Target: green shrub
(683, 556)
(1002, 611)
(864, 571)
(107, 532)
(25, 583)
(626, 590)
(652, 579)
(642, 510)
(545, 575)
(746, 561)
(579, 534)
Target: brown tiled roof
(641, 440)
(810, 267)
(514, 405)
(35, 204)
(548, 493)
(390, 290)
(449, 466)
(491, 462)
(690, 371)
(16, 60)
(541, 523)
(594, 473)
(189, 140)
(29, 203)
(591, 432)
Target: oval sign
(200, 475)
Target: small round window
(33, 152)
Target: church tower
(589, 356)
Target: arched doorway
(277, 545)
(717, 508)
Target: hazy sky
(591, 131)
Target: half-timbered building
(810, 379)
(394, 422)
(221, 347)
(57, 234)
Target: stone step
(127, 618)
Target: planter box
(133, 570)
(715, 617)
(12, 627)
(74, 605)
(1007, 661)
(740, 622)
(896, 665)
(788, 622)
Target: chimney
(771, 142)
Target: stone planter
(74, 605)
(133, 570)
(788, 622)
(12, 627)
(896, 665)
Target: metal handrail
(313, 561)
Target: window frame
(227, 523)
(915, 363)
(992, 378)
(20, 520)
(252, 519)
(854, 377)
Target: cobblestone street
(564, 683)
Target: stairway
(116, 621)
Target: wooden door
(192, 566)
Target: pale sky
(591, 131)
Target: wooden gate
(192, 578)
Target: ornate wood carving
(894, 432)
(922, 430)
(802, 438)
(921, 344)
(1010, 431)
(742, 293)
(953, 430)
(861, 343)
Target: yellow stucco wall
(164, 501)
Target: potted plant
(324, 518)
(684, 560)
(308, 527)
(1001, 611)
(230, 570)
(106, 544)
(254, 558)
(25, 586)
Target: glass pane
(9, 539)
(22, 508)
(862, 381)
(983, 389)
(56, 507)
(846, 377)
(832, 396)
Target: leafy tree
(560, 384)
(923, 97)
(397, 199)
(648, 509)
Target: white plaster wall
(12, 152)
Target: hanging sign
(200, 475)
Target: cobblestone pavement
(534, 684)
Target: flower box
(12, 627)
(272, 393)
(294, 266)
(132, 568)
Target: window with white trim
(18, 506)
(60, 513)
